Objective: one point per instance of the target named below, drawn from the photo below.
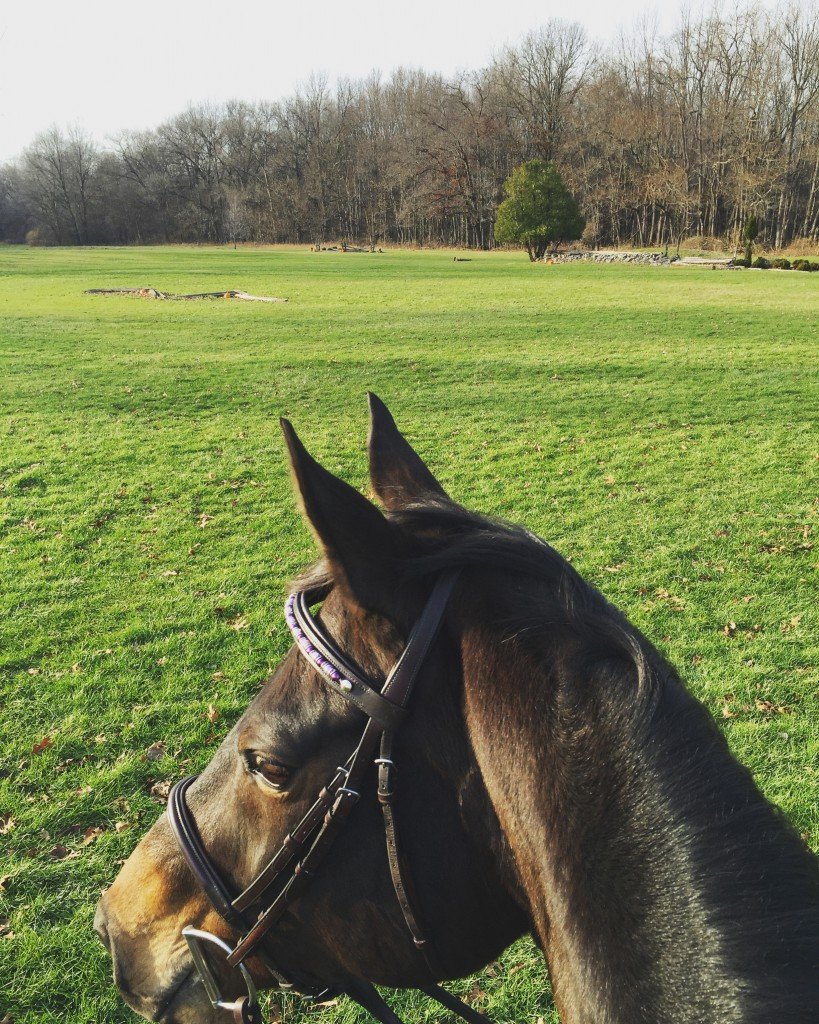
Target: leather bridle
(256, 910)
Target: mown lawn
(658, 426)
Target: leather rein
(254, 912)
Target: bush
(34, 237)
(801, 265)
(749, 233)
(760, 263)
(780, 263)
(740, 261)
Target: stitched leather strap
(364, 694)
(200, 864)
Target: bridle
(256, 910)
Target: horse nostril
(101, 927)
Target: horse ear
(398, 474)
(358, 542)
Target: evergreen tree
(749, 234)
(538, 211)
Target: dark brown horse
(555, 777)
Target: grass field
(658, 426)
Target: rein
(296, 861)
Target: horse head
(347, 925)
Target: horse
(552, 775)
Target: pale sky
(108, 66)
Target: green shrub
(760, 263)
(780, 263)
(801, 265)
(749, 233)
(740, 261)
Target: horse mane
(447, 536)
(558, 600)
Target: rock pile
(654, 259)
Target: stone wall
(654, 259)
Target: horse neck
(661, 885)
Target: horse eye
(271, 772)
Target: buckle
(386, 790)
(245, 1010)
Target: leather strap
(294, 844)
(364, 694)
(187, 835)
(401, 680)
(400, 685)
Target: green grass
(658, 426)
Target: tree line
(658, 137)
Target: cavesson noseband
(254, 912)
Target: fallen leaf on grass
(4, 880)
(729, 629)
(769, 708)
(156, 751)
(120, 826)
(44, 744)
(160, 790)
(203, 521)
(5, 929)
(60, 852)
(240, 622)
(91, 834)
(7, 823)
(213, 714)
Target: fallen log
(144, 293)
(154, 293)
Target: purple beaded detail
(308, 650)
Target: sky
(105, 67)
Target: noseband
(254, 912)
